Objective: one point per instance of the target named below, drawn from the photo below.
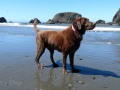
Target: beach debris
(41, 73)
(56, 77)
(54, 82)
(80, 82)
(105, 87)
(38, 89)
(80, 59)
(27, 56)
(50, 76)
(94, 78)
(70, 86)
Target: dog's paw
(65, 72)
(40, 66)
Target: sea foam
(58, 26)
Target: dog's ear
(79, 25)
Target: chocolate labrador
(66, 41)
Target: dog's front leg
(52, 59)
(71, 56)
(64, 63)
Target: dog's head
(82, 24)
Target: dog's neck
(77, 34)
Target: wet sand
(99, 64)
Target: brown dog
(66, 41)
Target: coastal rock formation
(32, 20)
(116, 18)
(110, 23)
(2, 20)
(100, 22)
(66, 17)
(50, 21)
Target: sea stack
(65, 17)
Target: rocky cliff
(116, 18)
(66, 17)
(2, 20)
(100, 22)
(32, 20)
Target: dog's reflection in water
(48, 80)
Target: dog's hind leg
(40, 51)
(52, 59)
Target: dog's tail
(35, 25)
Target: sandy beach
(98, 58)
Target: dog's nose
(94, 24)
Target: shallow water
(97, 37)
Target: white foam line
(59, 27)
(30, 25)
(53, 27)
(109, 43)
(49, 27)
(9, 24)
(117, 44)
(106, 29)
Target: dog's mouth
(90, 27)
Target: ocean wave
(30, 25)
(106, 29)
(9, 24)
(109, 43)
(97, 29)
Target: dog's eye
(87, 20)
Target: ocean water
(108, 34)
(17, 30)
